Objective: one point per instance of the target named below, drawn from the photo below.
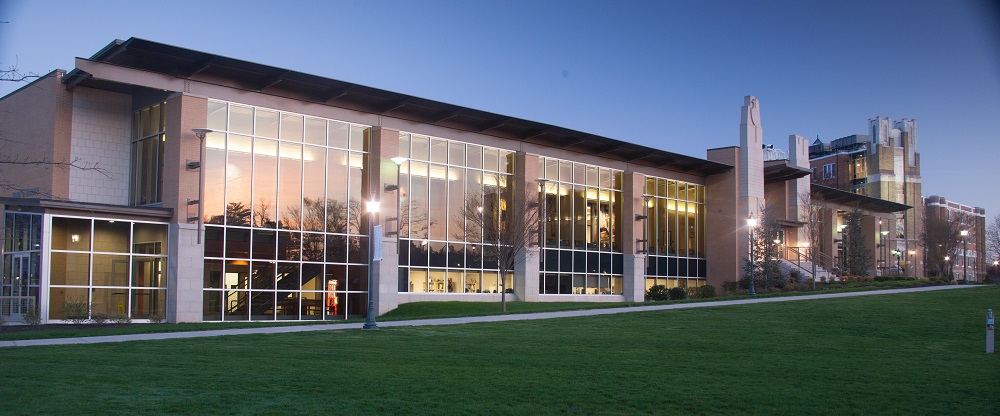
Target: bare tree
(941, 238)
(993, 237)
(12, 74)
(813, 230)
(504, 223)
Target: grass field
(420, 310)
(917, 353)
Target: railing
(16, 305)
(796, 255)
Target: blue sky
(670, 75)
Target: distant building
(970, 256)
(883, 165)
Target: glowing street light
(965, 258)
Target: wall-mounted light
(75, 238)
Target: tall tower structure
(894, 175)
(751, 159)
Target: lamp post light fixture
(948, 265)
(201, 133)
(965, 254)
(751, 223)
(885, 246)
(372, 207)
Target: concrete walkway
(456, 321)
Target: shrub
(730, 286)
(100, 318)
(121, 319)
(657, 293)
(32, 316)
(77, 310)
(707, 291)
(155, 319)
(795, 276)
(677, 293)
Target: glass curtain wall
(148, 137)
(582, 231)
(435, 253)
(285, 237)
(21, 253)
(675, 230)
(109, 268)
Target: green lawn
(915, 353)
(425, 310)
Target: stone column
(634, 270)
(526, 198)
(383, 178)
(186, 260)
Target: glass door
(15, 296)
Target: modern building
(968, 261)
(190, 186)
(884, 165)
(206, 188)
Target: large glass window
(148, 136)
(284, 237)
(114, 267)
(675, 233)
(582, 229)
(436, 254)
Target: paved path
(455, 321)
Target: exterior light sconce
(191, 165)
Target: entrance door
(16, 297)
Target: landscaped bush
(657, 293)
(100, 318)
(677, 293)
(707, 291)
(730, 286)
(121, 319)
(77, 310)
(32, 316)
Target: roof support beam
(394, 105)
(494, 124)
(272, 80)
(446, 115)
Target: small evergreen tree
(857, 256)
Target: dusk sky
(669, 75)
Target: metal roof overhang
(204, 67)
(867, 203)
(90, 208)
(782, 170)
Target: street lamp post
(965, 258)
(751, 223)
(947, 264)
(372, 207)
(885, 255)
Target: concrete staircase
(805, 268)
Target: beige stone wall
(727, 243)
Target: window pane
(110, 270)
(237, 243)
(359, 138)
(217, 117)
(149, 272)
(149, 238)
(315, 132)
(240, 119)
(313, 188)
(290, 186)
(291, 127)
(70, 234)
(111, 236)
(215, 178)
(238, 181)
(266, 123)
(71, 269)
(336, 206)
(148, 303)
(265, 184)
(339, 133)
